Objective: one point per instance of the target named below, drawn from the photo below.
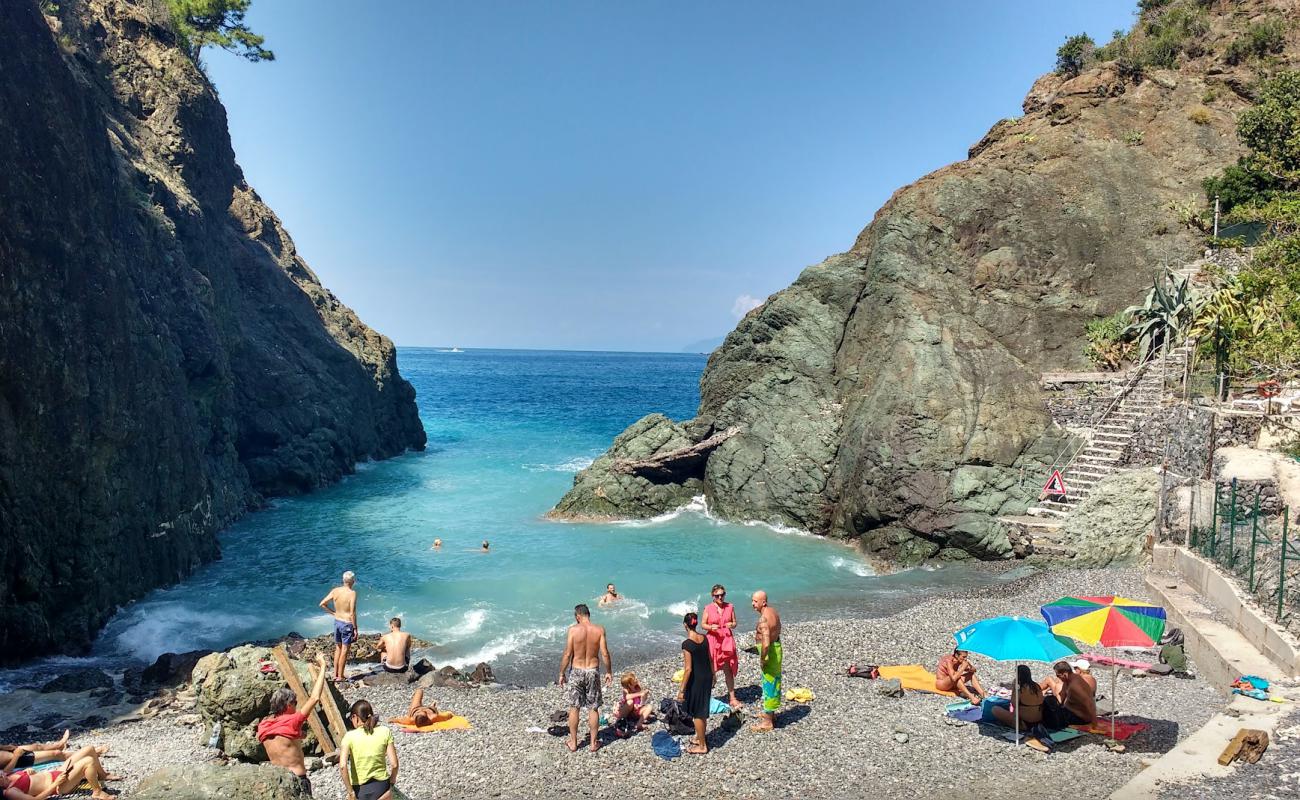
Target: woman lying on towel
(26, 755)
(40, 784)
(956, 674)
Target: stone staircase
(1107, 442)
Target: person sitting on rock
(956, 674)
(84, 766)
(281, 733)
(25, 755)
(395, 648)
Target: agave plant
(1166, 316)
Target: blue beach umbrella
(1014, 639)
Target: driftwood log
(675, 464)
(1248, 745)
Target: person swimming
(611, 595)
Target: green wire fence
(1249, 544)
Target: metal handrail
(1138, 372)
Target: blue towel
(968, 714)
(986, 708)
(665, 746)
(716, 706)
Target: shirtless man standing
(344, 612)
(281, 733)
(768, 638)
(395, 647)
(584, 648)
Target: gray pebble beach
(844, 743)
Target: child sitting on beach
(633, 705)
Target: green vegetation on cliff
(200, 23)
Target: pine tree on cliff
(217, 22)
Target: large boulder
(603, 491)
(220, 782)
(892, 392)
(79, 680)
(233, 691)
(1111, 524)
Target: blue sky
(610, 175)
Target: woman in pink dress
(718, 622)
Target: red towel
(1123, 730)
(287, 725)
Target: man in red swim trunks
(281, 733)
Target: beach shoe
(1036, 744)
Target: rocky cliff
(892, 392)
(166, 357)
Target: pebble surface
(845, 743)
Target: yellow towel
(799, 694)
(678, 675)
(915, 677)
(444, 721)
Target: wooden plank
(290, 676)
(1234, 747)
(332, 711)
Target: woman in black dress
(697, 681)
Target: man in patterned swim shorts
(584, 648)
(768, 638)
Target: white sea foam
(625, 607)
(856, 567)
(469, 623)
(502, 645)
(777, 527)
(698, 505)
(176, 628)
(683, 607)
(575, 464)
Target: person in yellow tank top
(365, 756)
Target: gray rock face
(231, 690)
(1111, 524)
(220, 782)
(892, 392)
(167, 359)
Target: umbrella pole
(1114, 704)
(1015, 700)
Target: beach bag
(1174, 657)
(675, 717)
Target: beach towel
(913, 676)
(717, 706)
(1123, 730)
(444, 721)
(960, 705)
(665, 746)
(1056, 736)
(968, 714)
(1109, 661)
(799, 694)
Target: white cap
(1080, 664)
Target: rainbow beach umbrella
(1106, 621)
(1109, 622)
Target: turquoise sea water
(507, 431)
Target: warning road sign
(1055, 484)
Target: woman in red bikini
(38, 785)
